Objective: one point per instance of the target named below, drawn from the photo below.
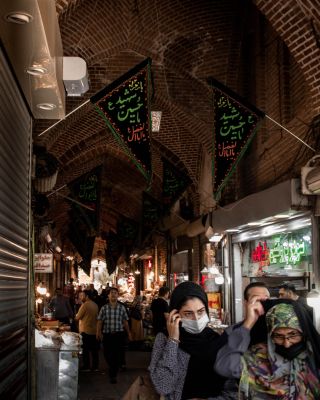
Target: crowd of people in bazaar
(274, 353)
(102, 317)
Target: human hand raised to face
(254, 309)
(173, 324)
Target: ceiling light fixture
(19, 17)
(36, 70)
(216, 238)
(46, 106)
(281, 216)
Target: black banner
(124, 105)
(84, 245)
(128, 233)
(174, 183)
(113, 251)
(151, 213)
(235, 124)
(128, 230)
(85, 201)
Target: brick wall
(266, 50)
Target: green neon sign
(287, 251)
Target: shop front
(212, 281)
(276, 254)
(270, 236)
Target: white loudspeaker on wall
(310, 177)
(75, 76)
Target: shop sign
(261, 254)
(281, 251)
(287, 251)
(43, 263)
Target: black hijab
(201, 380)
(185, 291)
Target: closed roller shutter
(15, 137)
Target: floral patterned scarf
(267, 375)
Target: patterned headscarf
(267, 375)
(282, 316)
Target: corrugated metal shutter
(15, 139)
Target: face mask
(289, 353)
(195, 325)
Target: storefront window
(274, 254)
(212, 280)
(282, 254)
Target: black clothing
(113, 346)
(201, 379)
(90, 345)
(159, 307)
(309, 309)
(135, 312)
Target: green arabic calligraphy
(88, 189)
(233, 122)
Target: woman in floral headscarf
(284, 367)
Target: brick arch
(297, 22)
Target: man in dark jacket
(60, 305)
(288, 291)
(160, 310)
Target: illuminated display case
(284, 256)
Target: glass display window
(282, 254)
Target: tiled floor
(96, 385)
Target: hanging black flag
(151, 213)
(84, 245)
(127, 230)
(113, 251)
(174, 183)
(235, 123)
(85, 201)
(128, 233)
(124, 105)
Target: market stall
(57, 361)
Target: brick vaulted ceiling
(188, 41)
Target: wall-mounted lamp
(155, 120)
(215, 238)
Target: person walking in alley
(136, 316)
(160, 310)
(182, 359)
(87, 317)
(112, 327)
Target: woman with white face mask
(182, 360)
